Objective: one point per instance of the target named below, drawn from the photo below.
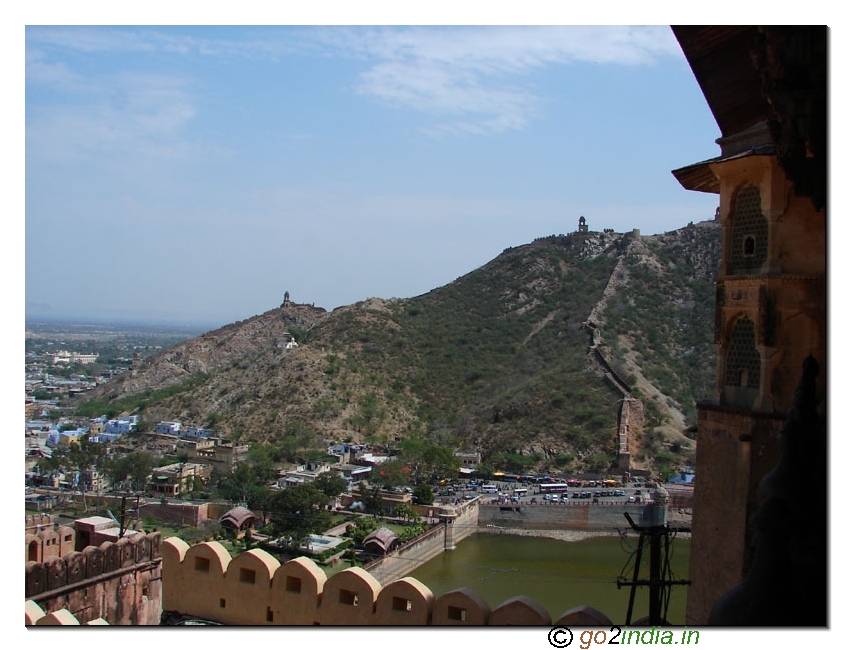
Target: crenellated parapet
(117, 581)
(35, 615)
(254, 588)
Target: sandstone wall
(120, 582)
(255, 589)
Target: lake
(557, 574)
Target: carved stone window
(743, 361)
(749, 233)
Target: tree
(371, 498)
(296, 512)
(331, 484)
(78, 459)
(392, 473)
(246, 483)
(130, 471)
(361, 527)
(404, 511)
(423, 494)
(429, 461)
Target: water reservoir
(557, 574)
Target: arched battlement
(203, 569)
(296, 592)
(404, 602)
(349, 596)
(520, 610)
(248, 574)
(461, 607)
(584, 615)
(59, 617)
(95, 561)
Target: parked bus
(490, 489)
(548, 488)
(520, 492)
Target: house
(217, 453)
(194, 433)
(469, 461)
(122, 425)
(177, 478)
(168, 428)
(305, 473)
(353, 473)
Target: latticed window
(749, 232)
(743, 362)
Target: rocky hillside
(527, 359)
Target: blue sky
(198, 173)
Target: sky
(196, 174)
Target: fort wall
(558, 516)
(255, 589)
(120, 582)
(461, 524)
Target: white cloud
(130, 111)
(473, 79)
(481, 74)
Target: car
(619, 493)
(631, 499)
(637, 492)
(576, 495)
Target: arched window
(743, 361)
(749, 233)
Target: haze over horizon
(198, 173)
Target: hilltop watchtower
(582, 224)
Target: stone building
(766, 88)
(177, 478)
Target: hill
(527, 359)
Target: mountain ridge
(507, 359)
